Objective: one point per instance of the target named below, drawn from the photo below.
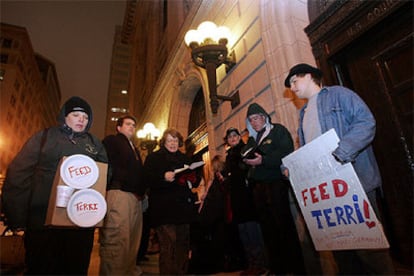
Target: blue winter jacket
(342, 109)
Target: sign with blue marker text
(334, 205)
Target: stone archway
(189, 89)
(184, 92)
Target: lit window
(119, 109)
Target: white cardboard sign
(335, 207)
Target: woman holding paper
(171, 202)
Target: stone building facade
(30, 94)
(269, 37)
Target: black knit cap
(77, 104)
(254, 108)
(302, 68)
(231, 130)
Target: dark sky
(77, 36)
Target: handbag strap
(42, 144)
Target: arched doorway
(197, 129)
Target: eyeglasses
(170, 141)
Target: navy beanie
(77, 104)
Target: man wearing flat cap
(342, 109)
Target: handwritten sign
(82, 206)
(79, 171)
(331, 198)
(86, 208)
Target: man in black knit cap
(270, 143)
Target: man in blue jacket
(342, 109)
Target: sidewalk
(149, 267)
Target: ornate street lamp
(147, 136)
(209, 51)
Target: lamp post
(147, 136)
(209, 51)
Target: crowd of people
(236, 218)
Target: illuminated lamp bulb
(192, 39)
(207, 29)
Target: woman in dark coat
(243, 210)
(171, 202)
(27, 188)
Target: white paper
(335, 207)
(181, 169)
(244, 154)
(192, 166)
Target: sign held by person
(335, 207)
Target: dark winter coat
(126, 165)
(169, 202)
(29, 179)
(241, 193)
(214, 207)
(275, 144)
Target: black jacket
(29, 179)
(275, 144)
(169, 202)
(241, 193)
(125, 164)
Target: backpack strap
(44, 138)
(42, 144)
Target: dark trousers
(174, 248)
(146, 229)
(58, 251)
(281, 240)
